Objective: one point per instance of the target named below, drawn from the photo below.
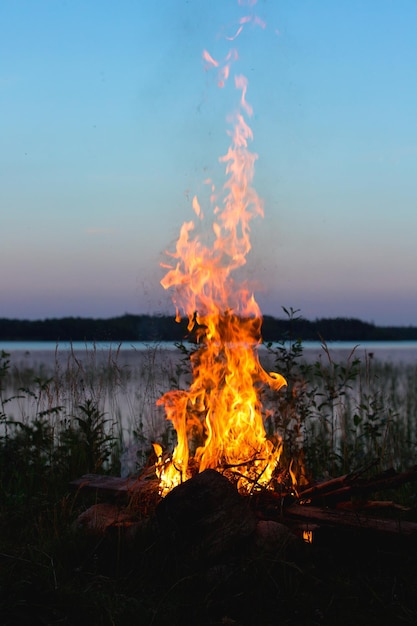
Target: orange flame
(219, 419)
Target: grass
(96, 415)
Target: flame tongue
(219, 421)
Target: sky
(110, 122)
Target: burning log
(206, 521)
(350, 520)
(206, 515)
(345, 487)
(141, 489)
(97, 519)
(203, 524)
(344, 505)
(112, 487)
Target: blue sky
(109, 124)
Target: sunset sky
(110, 122)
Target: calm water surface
(394, 351)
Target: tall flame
(219, 420)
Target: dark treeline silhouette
(164, 328)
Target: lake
(47, 351)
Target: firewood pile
(307, 556)
(347, 503)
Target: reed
(334, 417)
(342, 416)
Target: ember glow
(219, 419)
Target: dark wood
(205, 516)
(348, 486)
(350, 519)
(321, 489)
(208, 513)
(114, 487)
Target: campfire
(219, 420)
(225, 517)
(221, 440)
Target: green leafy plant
(87, 441)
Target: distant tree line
(124, 328)
(164, 328)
